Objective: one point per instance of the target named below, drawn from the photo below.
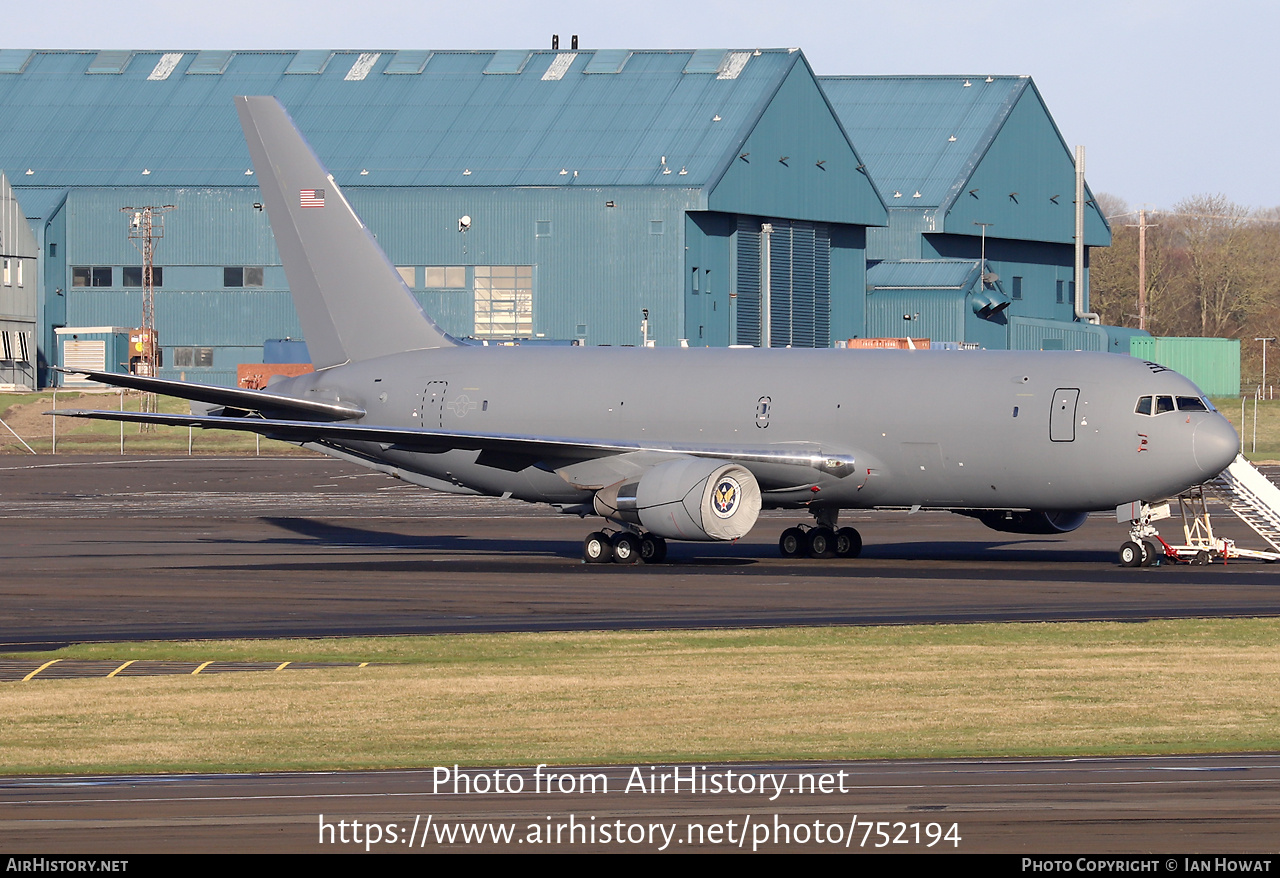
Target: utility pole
(146, 228)
(1142, 227)
(1142, 269)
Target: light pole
(1264, 361)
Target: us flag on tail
(311, 197)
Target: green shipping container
(1212, 363)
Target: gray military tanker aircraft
(687, 444)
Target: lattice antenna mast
(146, 228)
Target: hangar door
(799, 272)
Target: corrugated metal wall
(1030, 334)
(934, 314)
(1212, 363)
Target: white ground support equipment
(1247, 493)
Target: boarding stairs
(1252, 497)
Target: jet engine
(686, 499)
(1034, 522)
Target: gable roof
(922, 134)
(407, 118)
(964, 151)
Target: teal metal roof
(923, 274)
(922, 135)
(417, 118)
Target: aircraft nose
(1214, 444)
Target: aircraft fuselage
(947, 429)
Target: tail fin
(350, 299)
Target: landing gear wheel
(1202, 559)
(1151, 556)
(792, 542)
(596, 548)
(821, 542)
(848, 543)
(626, 548)
(1130, 554)
(653, 550)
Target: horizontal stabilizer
(238, 398)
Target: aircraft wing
(506, 451)
(235, 401)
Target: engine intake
(686, 499)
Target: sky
(1171, 99)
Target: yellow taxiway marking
(121, 668)
(283, 665)
(201, 668)
(39, 669)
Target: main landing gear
(823, 540)
(623, 547)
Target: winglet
(350, 299)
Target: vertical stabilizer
(350, 299)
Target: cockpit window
(1191, 404)
(1144, 406)
(1164, 404)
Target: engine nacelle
(686, 499)
(1054, 521)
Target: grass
(24, 413)
(1268, 417)
(807, 693)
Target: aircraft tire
(596, 548)
(653, 550)
(848, 543)
(820, 542)
(1151, 556)
(1131, 554)
(791, 543)
(626, 548)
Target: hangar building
(958, 159)
(594, 185)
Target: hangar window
(446, 277)
(192, 357)
(242, 276)
(408, 274)
(131, 276)
(1060, 292)
(91, 276)
(503, 301)
(7, 281)
(1017, 288)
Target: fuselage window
(1144, 406)
(1164, 404)
(1191, 404)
